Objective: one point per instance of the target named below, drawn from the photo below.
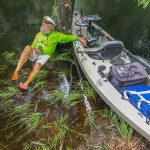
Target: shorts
(42, 59)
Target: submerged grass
(9, 58)
(21, 118)
(61, 128)
(72, 100)
(18, 111)
(41, 75)
(38, 86)
(8, 92)
(55, 96)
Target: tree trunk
(63, 13)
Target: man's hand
(37, 51)
(82, 41)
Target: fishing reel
(91, 41)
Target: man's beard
(44, 31)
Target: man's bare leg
(26, 53)
(36, 69)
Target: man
(42, 49)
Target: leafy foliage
(144, 3)
(62, 57)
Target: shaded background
(20, 21)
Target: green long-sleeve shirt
(47, 42)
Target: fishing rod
(85, 99)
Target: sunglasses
(46, 22)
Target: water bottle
(40, 48)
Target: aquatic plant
(61, 128)
(38, 83)
(17, 111)
(8, 92)
(41, 75)
(3, 68)
(9, 58)
(72, 100)
(29, 123)
(5, 105)
(38, 86)
(22, 119)
(5, 83)
(55, 96)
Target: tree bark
(64, 13)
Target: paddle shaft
(85, 99)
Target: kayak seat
(108, 50)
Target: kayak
(110, 69)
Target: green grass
(124, 130)
(89, 91)
(109, 115)
(91, 123)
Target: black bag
(127, 74)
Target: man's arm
(64, 38)
(82, 41)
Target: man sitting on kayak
(42, 49)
